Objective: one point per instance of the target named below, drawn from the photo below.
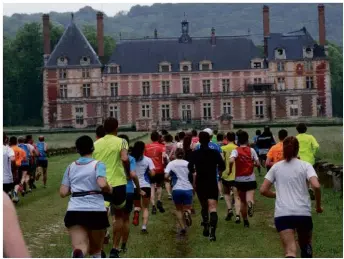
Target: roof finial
(72, 14)
(249, 31)
(120, 36)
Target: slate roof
(73, 45)
(293, 43)
(144, 56)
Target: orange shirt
(19, 154)
(155, 152)
(275, 153)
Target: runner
(293, 205)
(195, 139)
(187, 147)
(144, 170)
(264, 142)
(19, 157)
(24, 167)
(258, 133)
(276, 152)
(214, 137)
(170, 147)
(182, 189)
(33, 162)
(176, 138)
(206, 162)
(42, 160)
(219, 139)
(130, 198)
(181, 136)
(245, 158)
(100, 132)
(308, 148)
(228, 180)
(86, 217)
(113, 152)
(156, 152)
(8, 162)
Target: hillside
(228, 19)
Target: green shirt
(108, 150)
(308, 147)
(227, 150)
(214, 139)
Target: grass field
(41, 217)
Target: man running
(206, 162)
(228, 180)
(309, 147)
(8, 161)
(33, 160)
(264, 142)
(42, 160)
(276, 152)
(19, 157)
(156, 152)
(245, 158)
(113, 152)
(24, 167)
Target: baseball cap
(209, 131)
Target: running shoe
(102, 254)
(229, 215)
(77, 253)
(212, 236)
(160, 207)
(246, 223)
(123, 248)
(136, 218)
(15, 197)
(30, 190)
(311, 194)
(170, 197)
(144, 231)
(114, 253)
(205, 229)
(154, 210)
(187, 218)
(237, 220)
(221, 197)
(250, 209)
(34, 186)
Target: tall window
(294, 107)
(281, 83)
(225, 86)
(257, 80)
(260, 109)
(165, 112)
(79, 115)
(227, 108)
(114, 89)
(186, 85)
(207, 111)
(85, 73)
(206, 86)
(146, 88)
(86, 90)
(186, 112)
(63, 91)
(308, 66)
(280, 66)
(113, 111)
(62, 73)
(145, 111)
(165, 87)
(257, 65)
(309, 82)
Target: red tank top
(244, 164)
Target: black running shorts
(7, 187)
(246, 186)
(303, 224)
(117, 198)
(147, 190)
(24, 168)
(129, 204)
(228, 184)
(42, 163)
(91, 220)
(210, 192)
(159, 179)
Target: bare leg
(227, 195)
(117, 222)
(305, 243)
(79, 237)
(219, 186)
(152, 194)
(288, 242)
(159, 193)
(179, 214)
(168, 187)
(243, 204)
(125, 229)
(237, 201)
(45, 176)
(96, 238)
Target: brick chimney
(321, 18)
(266, 28)
(46, 37)
(100, 34)
(213, 37)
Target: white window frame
(259, 113)
(165, 112)
(185, 64)
(185, 109)
(114, 89)
(146, 88)
(206, 85)
(165, 87)
(227, 107)
(85, 73)
(309, 80)
(63, 91)
(145, 111)
(294, 106)
(86, 90)
(79, 115)
(113, 69)
(114, 111)
(280, 66)
(308, 66)
(163, 64)
(226, 84)
(186, 84)
(205, 62)
(206, 111)
(62, 73)
(281, 83)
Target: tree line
(23, 66)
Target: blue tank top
(27, 152)
(42, 153)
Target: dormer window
(185, 66)
(62, 61)
(85, 61)
(205, 65)
(257, 63)
(113, 69)
(307, 52)
(280, 53)
(165, 67)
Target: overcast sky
(109, 9)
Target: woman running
(86, 217)
(144, 170)
(293, 204)
(182, 189)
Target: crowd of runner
(111, 177)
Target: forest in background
(23, 48)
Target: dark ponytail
(138, 150)
(290, 148)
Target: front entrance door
(186, 113)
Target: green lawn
(41, 216)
